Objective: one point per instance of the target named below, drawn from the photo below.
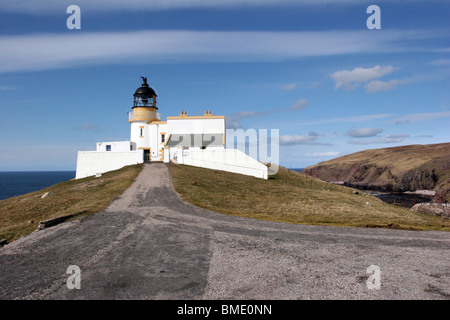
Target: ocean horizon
(16, 183)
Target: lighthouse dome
(145, 90)
(145, 96)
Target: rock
(3, 242)
(384, 169)
(437, 209)
(45, 195)
(52, 222)
(98, 174)
(355, 192)
(30, 221)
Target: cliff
(397, 169)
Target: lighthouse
(147, 130)
(183, 139)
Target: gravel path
(148, 244)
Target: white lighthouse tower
(145, 112)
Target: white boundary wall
(90, 163)
(119, 146)
(231, 160)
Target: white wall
(201, 125)
(116, 146)
(91, 162)
(231, 160)
(141, 142)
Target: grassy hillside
(21, 215)
(404, 168)
(294, 197)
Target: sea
(16, 183)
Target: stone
(437, 209)
(45, 195)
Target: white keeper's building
(192, 140)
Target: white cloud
(67, 50)
(351, 79)
(419, 117)
(290, 86)
(308, 139)
(393, 138)
(323, 154)
(378, 86)
(364, 132)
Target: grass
(288, 196)
(21, 215)
(293, 197)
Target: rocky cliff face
(406, 168)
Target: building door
(146, 155)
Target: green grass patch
(21, 215)
(293, 197)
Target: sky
(310, 68)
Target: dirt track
(148, 244)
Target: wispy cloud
(50, 6)
(307, 139)
(323, 154)
(362, 118)
(313, 85)
(290, 86)
(379, 86)
(233, 121)
(393, 138)
(49, 51)
(351, 79)
(86, 127)
(419, 117)
(440, 62)
(7, 88)
(364, 132)
(299, 105)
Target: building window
(163, 138)
(108, 147)
(142, 132)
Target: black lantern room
(145, 96)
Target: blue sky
(311, 69)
